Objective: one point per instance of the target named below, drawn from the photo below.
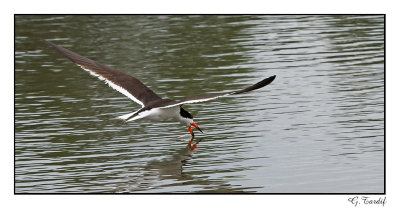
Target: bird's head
(187, 119)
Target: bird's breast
(162, 114)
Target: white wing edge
(196, 101)
(113, 85)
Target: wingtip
(50, 44)
(47, 42)
(268, 80)
(273, 78)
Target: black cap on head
(185, 114)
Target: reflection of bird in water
(153, 106)
(169, 174)
(158, 170)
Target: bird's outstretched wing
(118, 80)
(215, 96)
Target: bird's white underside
(158, 114)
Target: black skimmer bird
(153, 106)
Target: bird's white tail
(126, 116)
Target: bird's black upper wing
(120, 81)
(215, 96)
